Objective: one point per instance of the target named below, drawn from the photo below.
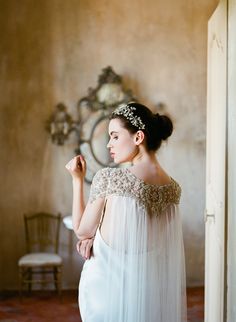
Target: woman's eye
(115, 137)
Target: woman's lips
(112, 155)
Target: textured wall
(53, 51)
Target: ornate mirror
(93, 118)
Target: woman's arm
(90, 219)
(84, 219)
(78, 205)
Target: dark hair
(157, 127)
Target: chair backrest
(42, 232)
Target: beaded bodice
(122, 182)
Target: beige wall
(53, 51)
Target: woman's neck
(144, 157)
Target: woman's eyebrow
(112, 132)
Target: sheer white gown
(138, 273)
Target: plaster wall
(52, 51)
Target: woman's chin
(120, 161)
(116, 161)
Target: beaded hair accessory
(128, 112)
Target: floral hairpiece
(127, 112)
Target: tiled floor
(46, 307)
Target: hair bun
(165, 126)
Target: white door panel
(215, 172)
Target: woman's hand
(84, 247)
(77, 167)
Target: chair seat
(40, 259)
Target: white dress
(138, 274)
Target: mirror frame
(113, 93)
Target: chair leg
(57, 280)
(29, 278)
(20, 281)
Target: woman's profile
(136, 272)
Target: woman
(137, 270)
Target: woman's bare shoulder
(151, 175)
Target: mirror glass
(99, 140)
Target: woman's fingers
(88, 248)
(84, 247)
(68, 165)
(83, 164)
(78, 246)
(76, 162)
(77, 165)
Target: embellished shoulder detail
(99, 184)
(154, 198)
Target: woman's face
(122, 143)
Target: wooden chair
(42, 240)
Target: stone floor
(47, 307)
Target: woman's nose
(108, 144)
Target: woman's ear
(139, 137)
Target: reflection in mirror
(92, 165)
(99, 140)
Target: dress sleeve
(99, 185)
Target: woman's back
(121, 187)
(138, 251)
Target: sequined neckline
(149, 184)
(122, 182)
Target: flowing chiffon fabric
(138, 274)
